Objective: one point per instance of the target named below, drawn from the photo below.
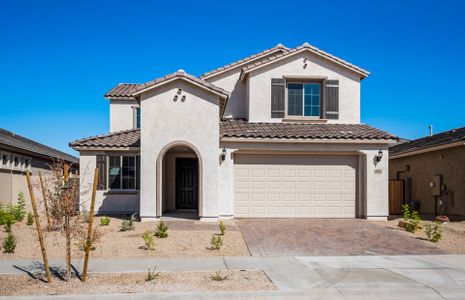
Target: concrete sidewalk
(346, 277)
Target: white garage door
(306, 186)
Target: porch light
(379, 156)
(223, 154)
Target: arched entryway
(179, 186)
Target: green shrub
(162, 230)
(104, 221)
(19, 210)
(8, 221)
(9, 244)
(433, 234)
(152, 275)
(82, 246)
(222, 228)
(30, 219)
(127, 225)
(216, 242)
(218, 277)
(149, 241)
(406, 211)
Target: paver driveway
(323, 237)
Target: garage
(295, 186)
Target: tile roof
(278, 48)
(14, 140)
(240, 128)
(269, 59)
(122, 90)
(440, 139)
(119, 139)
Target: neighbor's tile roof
(240, 128)
(314, 49)
(14, 140)
(119, 139)
(281, 48)
(443, 138)
(131, 89)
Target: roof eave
(308, 140)
(427, 149)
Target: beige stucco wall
(122, 114)
(165, 123)
(450, 163)
(259, 87)
(373, 186)
(106, 202)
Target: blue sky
(58, 58)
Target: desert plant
(30, 219)
(161, 230)
(222, 228)
(8, 221)
(406, 211)
(218, 277)
(19, 210)
(104, 221)
(216, 242)
(81, 233)
(147, 236)
(152, 275)
(433, 234)
(413, 222)
(127, 225)
(9, 244)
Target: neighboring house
(432, 172)
(18, 155)
(276, 134)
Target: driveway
(323, 237)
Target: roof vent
(430, 127)
(181, 71)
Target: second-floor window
(304, 99)
(137, 117)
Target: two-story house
(273, 135)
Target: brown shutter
(138, 172)
(277, 97)
(331, 99)
(102, 176)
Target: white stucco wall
(191, 122)
(259, 87)
(106, 202)
(122, 114)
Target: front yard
(185, 238)
(453, 234)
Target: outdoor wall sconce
(378, 157)
(223, 154)
(179, 91)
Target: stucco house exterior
(273, 135)
(431, 172)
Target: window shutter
(102, 176)
(277, 97)
(331, 101)
(138, 172)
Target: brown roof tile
(279, 47)
(443, 138)
(120, 139)
(122, 90)
(314, 49)
(239, 128)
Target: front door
(186, 183)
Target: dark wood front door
(186, 183)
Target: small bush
(127, 225)
(30, 219)
(104, 221)
(152, 275)
(147, 236)
(216, 242)
(406, 211)
(222, 228)
(82, 246)
(162, 230)
(411, 217)
(433, 234)
(19, 210)
(8, 221)
(218, 277)
(9, 244)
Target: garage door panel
(295, 186)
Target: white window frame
(121, 176)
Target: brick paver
(323, 237)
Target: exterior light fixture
(223, 154)
(378, 157)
